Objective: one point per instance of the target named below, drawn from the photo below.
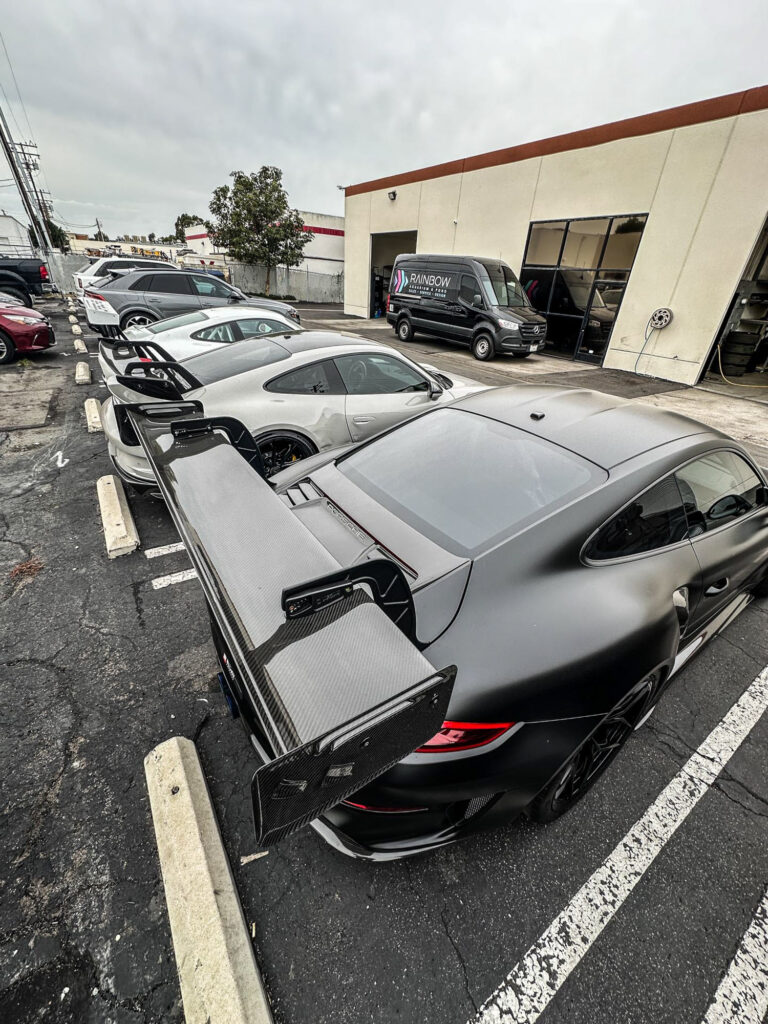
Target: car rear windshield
(176, 321)
(231, 360)
(465, 481)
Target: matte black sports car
(465, 617)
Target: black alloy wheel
(7, 349)
(282, 449)
(137, 320)
(482, 347)
(595, 754)
(404, 330)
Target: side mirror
(434, 391)
(477, 300)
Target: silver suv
(140, 297)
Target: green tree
(183, 221)
(151, 236)
(57, 235)
(252, 219)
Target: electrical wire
(734, 382)
(16, 84)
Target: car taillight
(44, 275)
(95, 295)
(387, 302)
(145, 359)
(464, 736)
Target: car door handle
(360, 420)
(717, 588)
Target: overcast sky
(141, 108)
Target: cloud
(141, 109)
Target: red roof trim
(661, 121)
(323, 231)
(189, 237)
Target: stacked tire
(737, 350)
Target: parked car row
(141, 297)
(383, 551)
(296, 392)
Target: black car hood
(520, 314)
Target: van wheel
(404, 330)
(482, 347)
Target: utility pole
(99, 232)
(19, 163)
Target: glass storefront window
(623, 241)
(584, 242)
(575, 273)
(545, 242)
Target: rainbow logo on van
(401, 280)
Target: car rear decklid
(340, 692)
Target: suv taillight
(95, 295)
(387, 301)
(464, 736)
(44, 275)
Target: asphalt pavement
(101, 660)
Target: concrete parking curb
(220, 980)
(120, 534)
(82, 373)
(93, 416)
(76, 330)
(72, 318)
(80, 345)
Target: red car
(23, 330)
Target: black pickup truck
(21, 277)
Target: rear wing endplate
(320, 657)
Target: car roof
(602, 428)
(237, 312)
(243, 356)
(157, 268)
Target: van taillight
(387, 301)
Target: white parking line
(165, 549)
(742, 995)
(175, 577)
(536, 979)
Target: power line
(18, 93)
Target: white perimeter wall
(705, 188)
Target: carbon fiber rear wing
(320, 658)
(120, 347)
(165, 379)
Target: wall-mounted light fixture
(392, 195)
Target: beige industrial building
(604, 226)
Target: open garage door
(384, 249)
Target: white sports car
(191, 334)
(297, 394)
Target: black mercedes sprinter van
(473, 301)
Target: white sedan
(191, 334)
(296, 393)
